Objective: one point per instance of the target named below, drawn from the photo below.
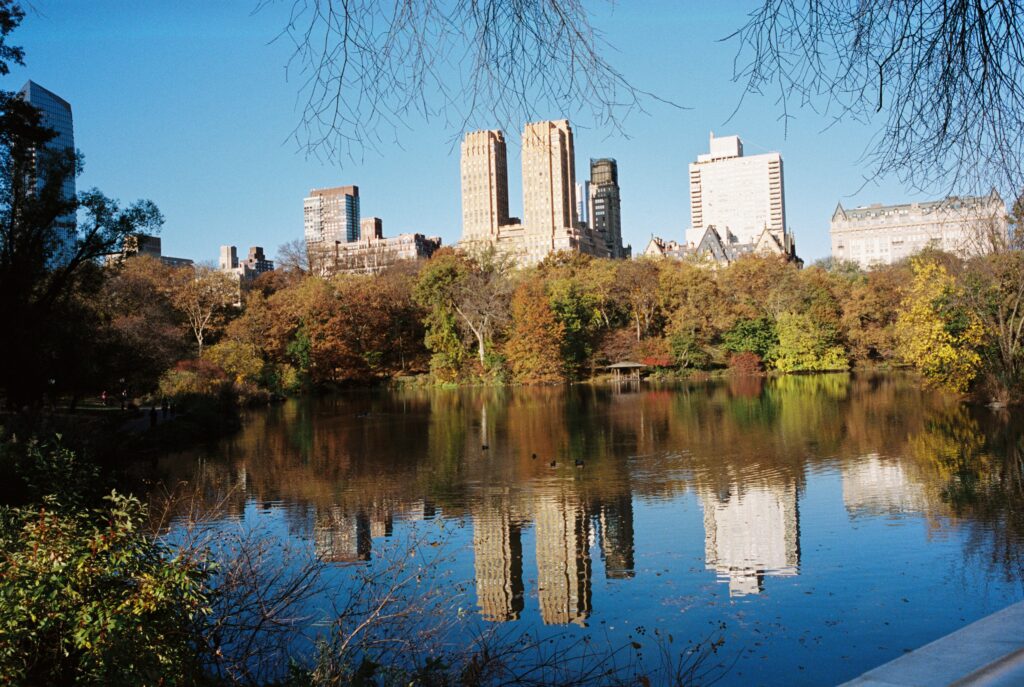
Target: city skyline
(233, 152)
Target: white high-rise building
(740, 195)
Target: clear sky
(187, 103)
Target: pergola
(627, 368)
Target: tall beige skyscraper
(498, 560)
(738, 194)
(563, 558)
(484, 185)
(549, 196)
(549, 178)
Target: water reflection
(569, 466)
(751, 532)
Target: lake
(820, 525)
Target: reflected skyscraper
(751, 532)
(616, 522)
(498, 561)
(563, 559)
(872, 486)
(340, 537)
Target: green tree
(752, 336)
(472, 290)
(577, 312)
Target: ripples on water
(831, 523)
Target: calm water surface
(829, 522)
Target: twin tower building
(558, 213)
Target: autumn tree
(140, 321)
(691, 298)
(937, 334)
(204, 296)
(993, 291)
(869, 305)
(536, 337)
(637, 287)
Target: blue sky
(187, 103)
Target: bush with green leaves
(752, 336)
(807, 345)
(88, 597)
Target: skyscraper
(484, 168)
(605, 208)
(56, 115)
(549, 178)
(498, 560)
(551, 206)
(330, 215)
(737, 194)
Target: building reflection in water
(872, 486)
(751, 532)
(498, 561)
(615, 522)
(340, 537)
(563, 558)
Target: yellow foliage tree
(936, 334)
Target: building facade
(605, 206)
(550, 204)
(713, 249)
(736, 193)
(885, 234)
(143, 244)
(371, 228)
(331, 215)
(247, 269)
(373, 255)
(56, 115)
(484, 168)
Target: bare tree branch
(370, 65)
(943, 80)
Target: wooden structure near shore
(628, 370)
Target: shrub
(746, 363)
(194, 377)
(86, 597)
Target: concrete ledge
(987, 652)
